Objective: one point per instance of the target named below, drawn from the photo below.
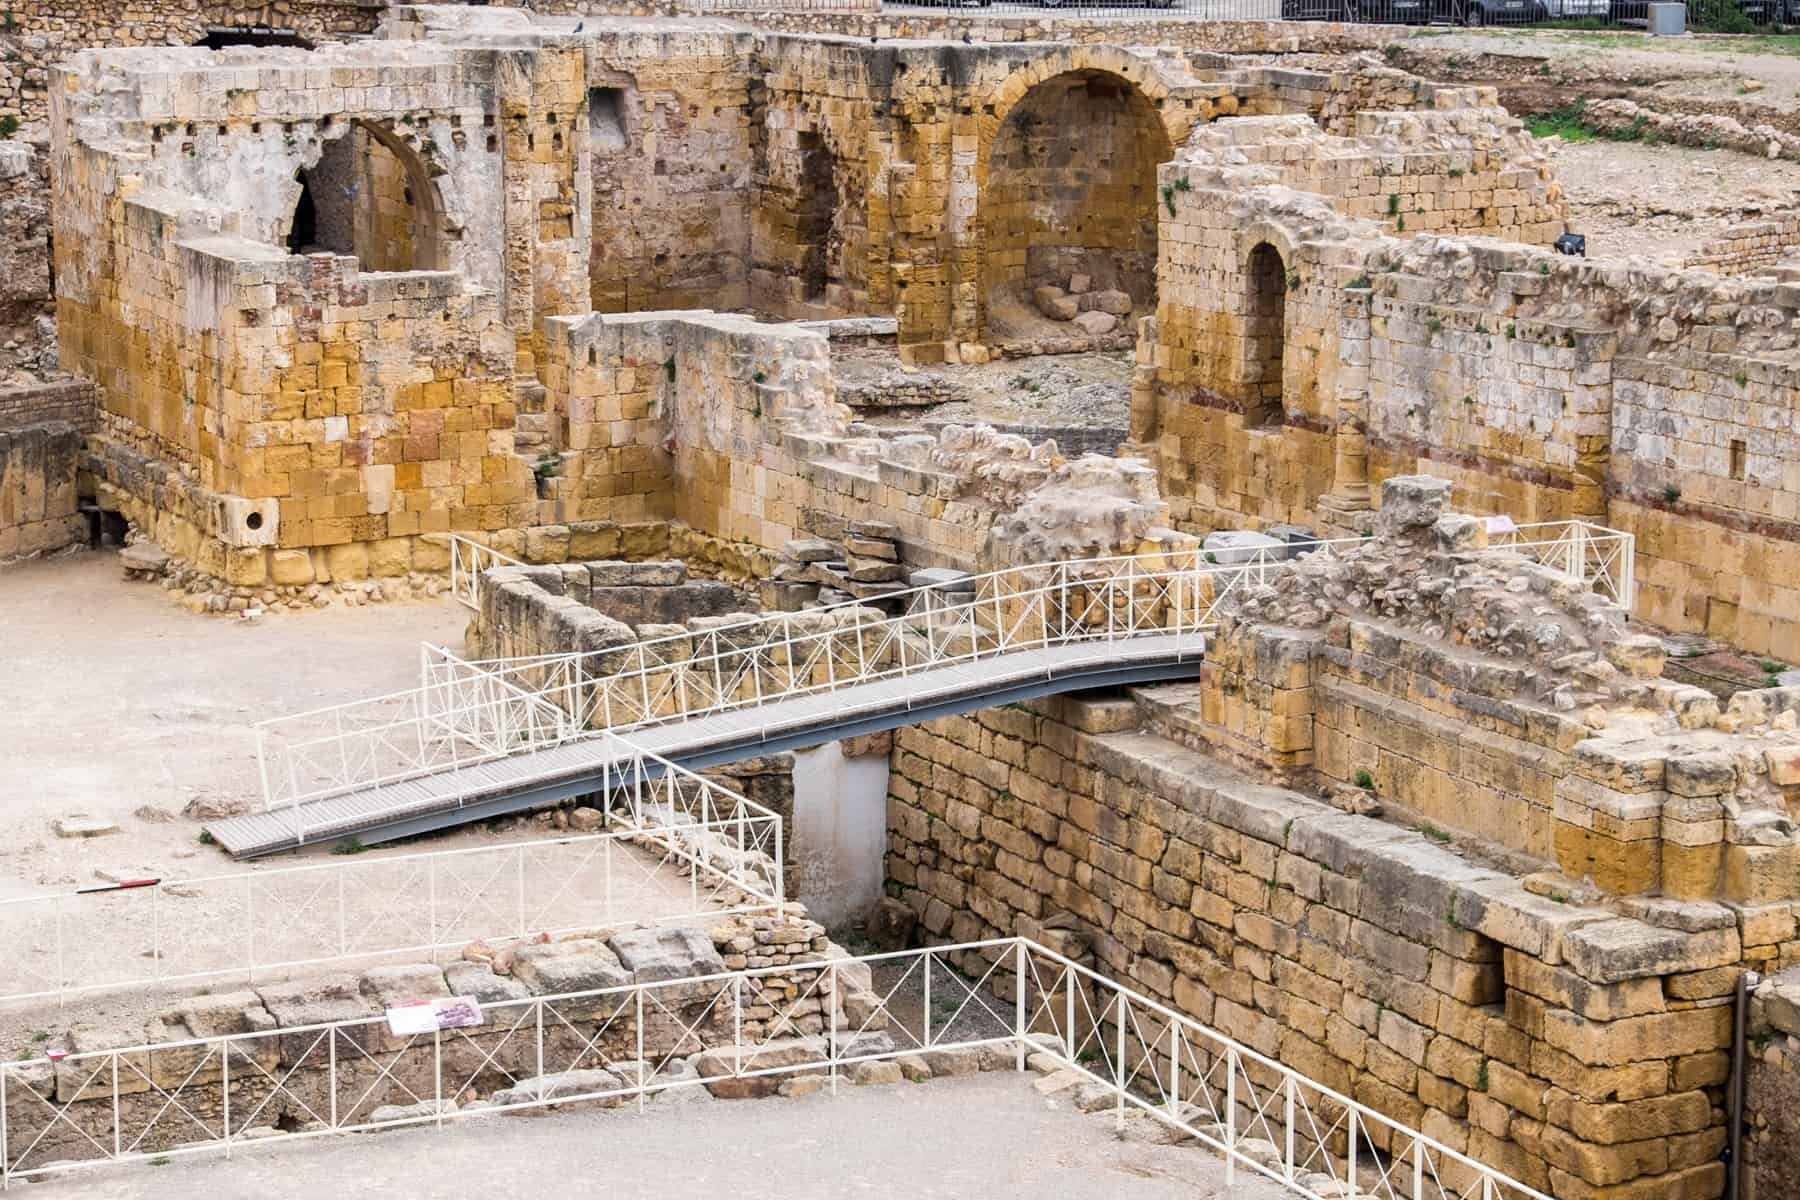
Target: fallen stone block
(913, 1067)
(1112, 301)
(583, 965)
(1055, 304)
(662, 953)
(873, 1073)
(78, 825)
(542, 1089)
(1096, 323)
(961, 1061)
(478, 980)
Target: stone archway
(1265, 335)
(371, 196)
(1258, 301)
(1068, 193)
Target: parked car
(1505, 12)
(1375, 12)
(1576, 10)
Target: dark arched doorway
(1070, 196)
(369, 195)
(1265, 335)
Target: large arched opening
(369, 195)
(1070, 203)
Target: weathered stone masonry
(1582, 1052)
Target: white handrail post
(832, 1004)
(1418, 1167)
(1019, 1007)
(1230, 1115)
(927, 1030)
(1287, 1119)
(1119, 1059)
(262, 762)
(1175, 1069)
(431, 905)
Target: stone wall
(1742, 249)
(586, 607)
(591, 1045)
(41, 34)
(37, 488)
(71, 401)
(25, 307)
(669, 134)
(1545, 387)
(1581, 1052)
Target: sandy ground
(1087, 390)
(118, 701)
(1664, 201)
(121, 705)
(986, 1135)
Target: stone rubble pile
(1617, 116)
(1093, 311)
(1428, 571)
(861, 564)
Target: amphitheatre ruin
(1005, 601)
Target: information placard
(430, 1016)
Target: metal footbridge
(478, 740)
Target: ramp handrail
(467, 713)
(469, 559)
(248, 923)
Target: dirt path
(986, 1135)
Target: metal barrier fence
(629, 1043)
(1715, 16)
(251, 923)
(468, 559)
(1594, 556)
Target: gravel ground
(121, 705)
(1082, 390)
(987, 1135)
(1666, 201)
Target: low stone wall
(854, 18)
(376, 1069)
(37, 489)
(1743, 248)
(581, 607)
(71, 400)
(1581, 1052)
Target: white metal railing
(468, 559)
(626, 1044)
(250, 923)
(467, 713)
(1595, 556)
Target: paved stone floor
(981, 1136)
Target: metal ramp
(535, 778)
(478, 740)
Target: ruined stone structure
(311, 334)
(1642, 398)
(1569, 1022)
(1429, 826)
